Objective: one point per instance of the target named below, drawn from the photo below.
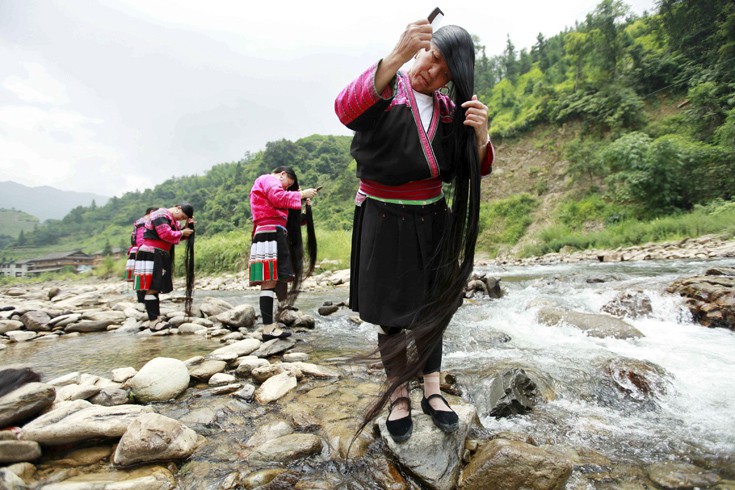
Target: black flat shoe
(400, 429)
(266, 336)
(446, 421)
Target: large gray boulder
(214, 306)
(18, 451)
(431, 455)
(286, 449)
(80, 420)
(511, 465)
(275, 387)
(241, 316)
(593, 324)
(237, 349)
(161, 379)
(25, 402)
(152, 437)
(36, 321)
(710, 298)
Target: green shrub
(505, 221)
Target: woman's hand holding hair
(308, 193)
(416, 37)
(187, 231)
(476, 117)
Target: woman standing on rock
(411, 254)
(136, 240)
(277, 251)
(155, 258)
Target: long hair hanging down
(453, 260)
(188, 209)
(295, 241)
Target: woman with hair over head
(415, 132)
(136, 240)
(277, 252)
(154, 261)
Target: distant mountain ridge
(45, 202)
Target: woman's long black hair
(188, 209)
(295, 241)
(454, 258)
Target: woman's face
(286, 181)
(429, 71)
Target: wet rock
(237, 349)
(274, 388)
(10, 480)
(247, 364)
(246, 392)
(629, 304)
(88, 326)
(512, 464)
(25, 402)
(80, 420)
(146, 478)
(83, 457)
(121, 375)
(24, 470)
(512, 393)
(261, 373)
(213, 306)
(221, 379)
(493, 287)
(192, 329)
(710, 298)
(286, 449)
(268, 431)
(241, 316)
(295, 319)
(76, 392)
(274, 347)
(260, 478)
(36, 321)
(64, 320)
(67, 379)
(10, 325)
(104, 316)
(161, 379)
(53, 292)
(637, 379)
(681, 475)
(295, 357)
(327, 310)
(431, 455)
(313, 370)
(110, 396)
(594, 325)
(225, 389)
(15, 292)
(18, 451)
(203, 369)
(152, 437)
(20, 335)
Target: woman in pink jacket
(276, 254)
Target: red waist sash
(412, 191)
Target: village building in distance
(53, 262)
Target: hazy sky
(110, 96)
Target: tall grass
(714, 219)
(504, 222)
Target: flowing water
(689, 418)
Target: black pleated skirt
(393, 249)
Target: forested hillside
(612, 125)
